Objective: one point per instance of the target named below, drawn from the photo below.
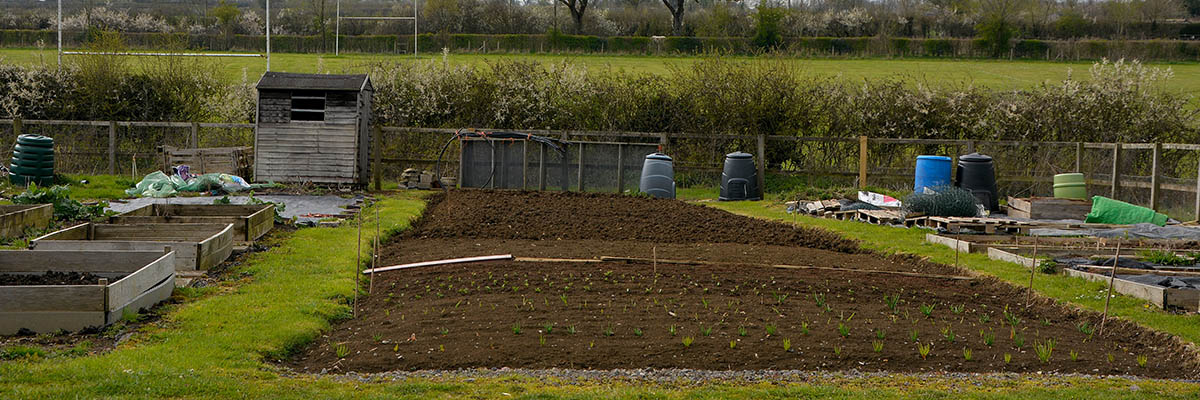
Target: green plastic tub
(1070, 186)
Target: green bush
(768, 34)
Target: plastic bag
(156, 184)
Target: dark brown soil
(52, 278)
(622, 315)
(581, 216)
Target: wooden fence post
(1154, 172)
(112, 147)
(762, 166)
(1116, 171)
(1078, 156)
(377, 150)
(1198, 192)
(195, 138)
(16, 127)
(862, 162)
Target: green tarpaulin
(1109, 211)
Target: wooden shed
(313, 128)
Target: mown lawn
(994, 74)
(219, 344)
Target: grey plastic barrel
(739, 179)
(658, 176)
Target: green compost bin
(1070, 186)
(32, 161)
(1109, 211)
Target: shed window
(308, 106)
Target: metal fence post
(1116, 170)
(762, 166)
(620, 168)
(580, 169)
(862, 161)
(525, 165)
(112, 147)
(542, 167)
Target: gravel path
(692, 377)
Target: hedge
(1091, 49)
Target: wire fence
(1162, 176)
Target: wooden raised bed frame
(145, 278)
(197, 246)
(15, 219)
(250, 221)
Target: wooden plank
(123, 262)
(144, 300)
(1001, 255)
(185, 252)
(16, 219)
(215, 250)
(781, 266)
(125, 290)
(960, 246)
(52, 298)
(1154, 294)
(1048, 208)
(49, 321)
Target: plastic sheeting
(1109, 211)
(158, 184)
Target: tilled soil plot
(51, 278)
(576, 216)
(604, 315)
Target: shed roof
(285, 80)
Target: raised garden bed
(250, 221)
(587, 292)
(45, 291)
(197, 246)
(16, 219)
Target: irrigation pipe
(503, 257)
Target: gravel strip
(693, 377)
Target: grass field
(994, 74)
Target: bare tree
(577, 8)
(676, 9)
(1154, 11)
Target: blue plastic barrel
(932, 171)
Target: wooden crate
(1048, 208)
(197, 246)
(15, 219)
(136, 280)
(1187, 299)
(210, 160)
(250, 221)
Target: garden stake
(357, 263)
(1029, 295)
(654, 260)
(374, 252)
(957, 242)
(1112, 276)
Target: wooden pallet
(982, 224)
(878, 217)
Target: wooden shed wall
(309, 151)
